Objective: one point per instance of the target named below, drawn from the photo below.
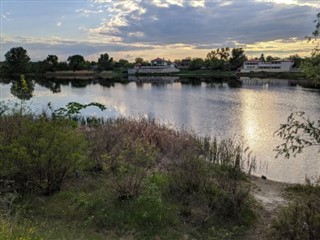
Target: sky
(172, 29)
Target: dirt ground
(270, 196)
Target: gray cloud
(242, 21)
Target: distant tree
(237, 58)
(139, 60)
(62, 66)
(196, 64)
(311, 66)
(52, 60)
(104, 62)
(262, 58)
(124, 63)
(76, 62)
(271, 58)
(39, 67)
(221, 54)
(218, 59)
(296, 59)
(17, 61)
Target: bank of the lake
(280, 75)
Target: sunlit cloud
(310, 3)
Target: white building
(260, 66)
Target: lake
(250, 110)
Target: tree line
(17, 61)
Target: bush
(128, 167)
(300, 219)
(37, 153)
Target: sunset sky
(172, 29)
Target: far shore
(86, 74)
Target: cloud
(6, 16)
(310, 3)
(174, 28)
(177, 21)
(87, 12)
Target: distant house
(158, 65)
(261, 66)
(160, 62)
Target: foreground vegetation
(121, 178)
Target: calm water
(252, 111)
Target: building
(160, 62)
(261, 66)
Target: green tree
(17, 61)
(262, 58)
(62, 66)
(311, 66)
(104, 62)
(124, 63)
(218, 59)
(297, 60)
(76, 62)
(196, 64)
(237, 58)
(139, 60)
(52, 61)
(270, 58)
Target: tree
(311, 66)
(270, 58)
(52, 61)
(104, 62)
(76, 62)
(62, 66)
(196, 64)
(237, 58)
(124, 63)
(296, 59)
(17, 61)
(218, 59)
(262, 57)
(139, 60)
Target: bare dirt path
(270, 196)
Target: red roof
(158, 60)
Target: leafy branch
(73, 109)
(298, 133)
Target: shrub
(37, 153)
(300, 219)
(128, 167)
